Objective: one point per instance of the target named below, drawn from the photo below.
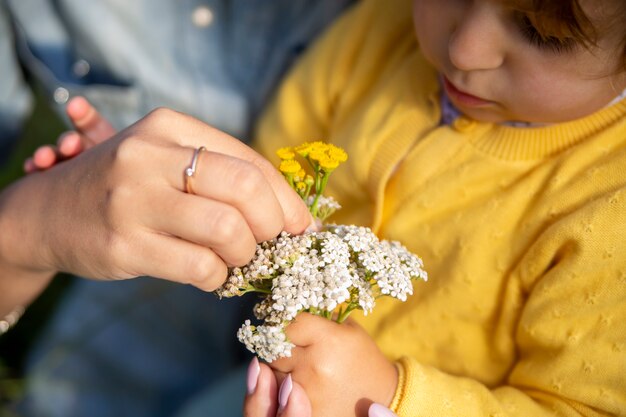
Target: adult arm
(15, 104)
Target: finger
(285, 365)
(307, 329)
(262, 400)
(293, 400)
(210, 223)
(45, 157)
(88, 120)
(304, 331)
(176, 260)
(296, 215)
(241, 184)
(71, 144)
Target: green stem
(324, 182)
(317, 177)
(339, 313)
(258, 290)
(314, 207)
(307, 192)
(343, 315)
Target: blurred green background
(43, 127)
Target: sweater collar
(514, 143)
(524, 141)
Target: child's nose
(476, 41)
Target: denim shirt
(217, 60)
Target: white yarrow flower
(329, 273)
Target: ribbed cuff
(400, 388)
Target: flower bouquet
(330, 272)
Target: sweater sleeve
(570, 338)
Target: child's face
(497, 69)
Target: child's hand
(339, 366)
(90, 129)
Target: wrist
(22, 238)
(18, 288)
(23, 272)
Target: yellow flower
(285, 153)
(324, 158)
(289, 166)
(304, 149)
(328, 164)
(337, 153)
(319, 145)
(317, 155)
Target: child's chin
(485, 115)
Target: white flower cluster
(328, 273)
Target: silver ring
(190, 171)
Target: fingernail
(253, 374)
(377, 410)
(284, 393)
(315, 225)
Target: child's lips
(461, 97)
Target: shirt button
(464, 124)
(61, 95)
(81, 68)
(202, 16)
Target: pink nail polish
(253, 375)
(377, 410)
(284, 393)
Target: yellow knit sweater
(522, 230)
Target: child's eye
(551, 43)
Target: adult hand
(265, 399)
(119, 210)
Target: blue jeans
(142, 347)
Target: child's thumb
(88, 121)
